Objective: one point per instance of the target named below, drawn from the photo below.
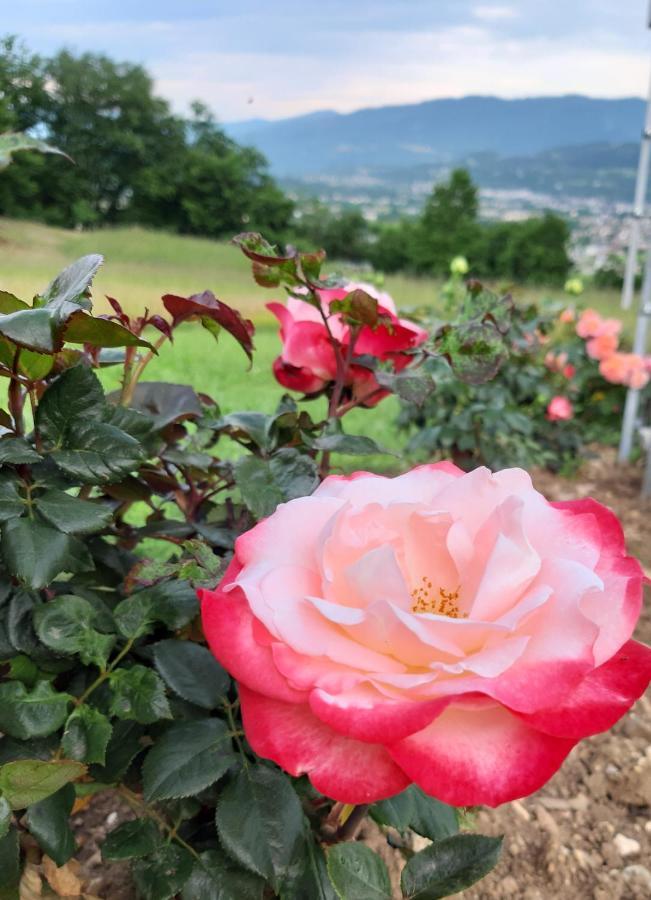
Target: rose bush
(308, 361)
(452, 630)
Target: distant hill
(439, 132)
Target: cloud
(494, 13)
(295, 56)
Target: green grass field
(142, 265)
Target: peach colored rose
(589, 323)
(450, 629)
(559, 409)
(602, 346)
(628, 369)
(567, 316)
(592, 324)
(307, 362)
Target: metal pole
(639, 346)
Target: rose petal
(339, 767)
(479, 754)
(601, 699)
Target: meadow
(142, 265)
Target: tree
(343, 235)
(448, 225)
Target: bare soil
(587, 833)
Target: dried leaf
(62, 880)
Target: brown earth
(587, 833)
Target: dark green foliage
(449, 866)
(358, 873)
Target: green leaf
(36, 553)
(312, 880)
(10, 303)
(432, 818)
(255, 480)
(9, 865)
(163, 874)
(123, 747)
(358, 873)
(38, 330)
(263, 840)
(86, 735)
(27, 714)
(254, 426)
(449, 866)
(48, 822)
(28, 781)
(164, 403)
(22, 668)
(73, 284)
(266, 483)
(138, 693)
(192, 672)
(96, 452)
(81, 328)
(349, 444)
(66, 625)
(216, 878)
(13, 142)
(410, 386)
(17, 451)
(11, 503)
(294, 472)
(475, 350)
(76, 396)
(5, 816)
(188, 758)
(72, 515)
(132, 840)
(414, 809)
(134, 615)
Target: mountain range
(536, 142)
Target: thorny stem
(101, 678)
(344, 821)
(138, 805)
(15, 396)
(343, 362)
(34, 403)
(228, 709)
(132, 374)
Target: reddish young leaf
(161, 324)
(207, 306)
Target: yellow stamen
(444, 604)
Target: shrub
(114, 509)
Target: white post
(629, 422)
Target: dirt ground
(587, 833)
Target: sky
(277, 58)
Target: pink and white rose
(307, 362)
(455, 630)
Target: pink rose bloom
(602, 346)
(450, 629)
(569, 371)
(559, 409)
(567, 316)
(628, 369)
(307, 362)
